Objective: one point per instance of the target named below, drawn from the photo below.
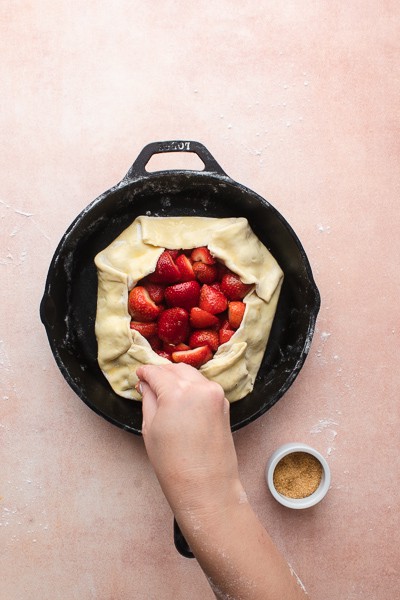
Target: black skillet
(68, 307)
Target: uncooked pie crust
(134, 254)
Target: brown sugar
(297, 475)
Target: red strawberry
(195, 357)
(216, 286)
(225, 335)
(202, 254)
(222, 270)
(186, 294)
(163, 354)
(212, 300)
(185, 268)
(155, 343)
(233, 287)
(166, 270)
(141, 307)
(223, 320)
(201, 319)
(173, 325)
(205, 273)
(173, 253)
(204, 336)
(235, 313)
(170, 348)
(146, 329)
(180, 347)
(156, 291)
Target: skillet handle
(47, 310)
(180, 543)
(138, 169)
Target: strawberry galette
(197, 290)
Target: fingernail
(139, 388)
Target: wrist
(206, 508)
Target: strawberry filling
(189, 306)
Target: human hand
(188, 439)
(187, 435)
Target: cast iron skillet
(68, 307)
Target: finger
(227, 411)
(149, 406)
(146, 379)
(227, 406)
(158, 377)
(162, 377)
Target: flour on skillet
(134, 254)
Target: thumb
(149, 406)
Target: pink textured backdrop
(297, 100)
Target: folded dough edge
(134, 254)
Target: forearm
(237, 555)
(186, 430)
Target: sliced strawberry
(195, 357)
(201, 319)
(202, 254)
(173, 253)
(180, 347)
(141, 307)
(222, 270)
(170, 348)
(163, 354)
(225, 335)
(156, 291)
(212, 300)
(216, 286)
(173, 325)
(235, 313)
(223, 320)
(205, 273)
(226, 332)
(166, 270)
(185, 268)
(233, 287)
(155, 343)
(186, 294)
(146, 329)
(204, 336)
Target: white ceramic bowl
(315, 497)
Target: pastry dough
(134, 254)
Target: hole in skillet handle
(180, 543)
(182, 161)
(138, 169)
